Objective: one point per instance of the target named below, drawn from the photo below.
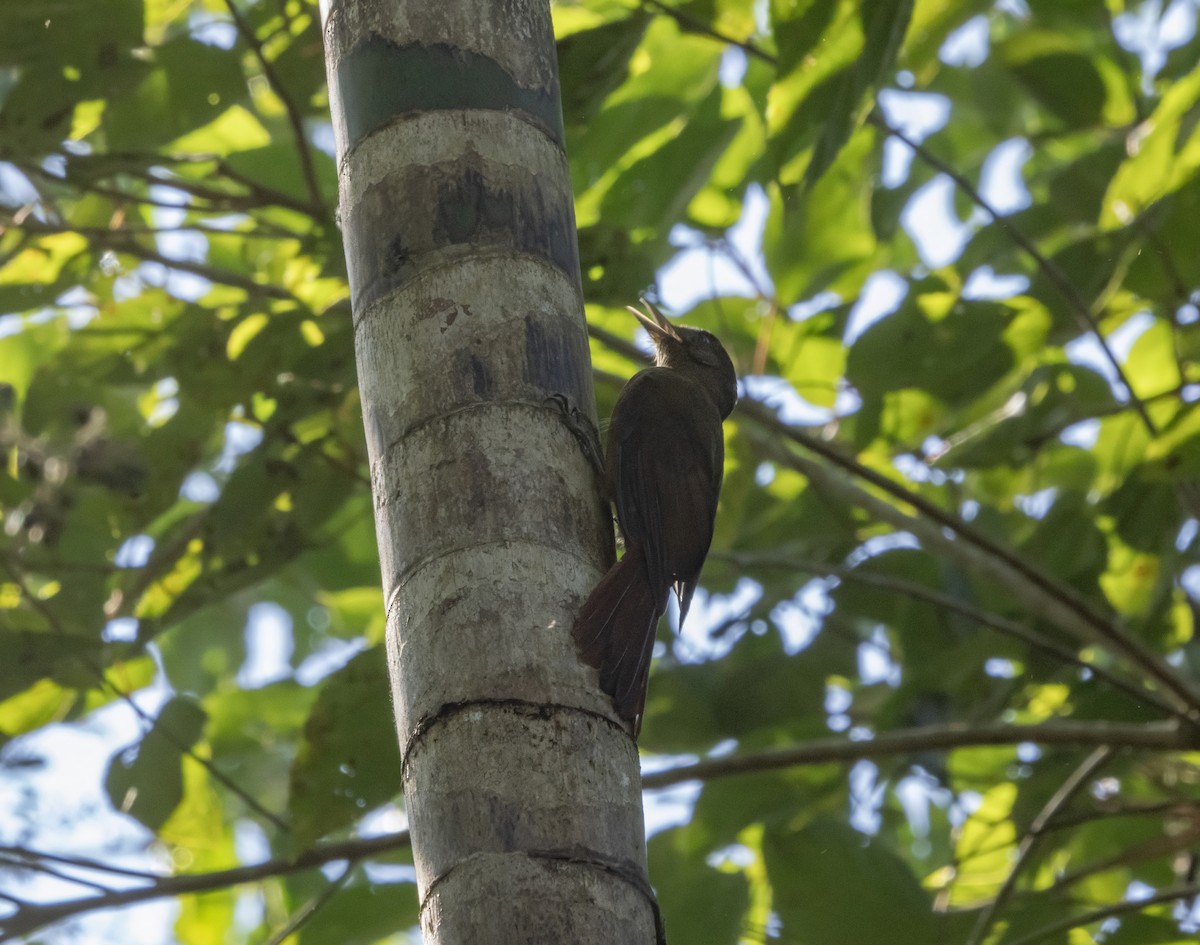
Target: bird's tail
(615, 631)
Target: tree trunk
(522, 789)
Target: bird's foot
(584, 431)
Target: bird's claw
(584, 431)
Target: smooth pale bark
(522, 788)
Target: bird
(663, 466)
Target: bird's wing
(666, 453)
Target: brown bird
(665, 458)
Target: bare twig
(1070, 819)
(1079, 307)
(1152, 736)
(79, 862)
(36, 866)
(295, 119)
(938, 528)
(1181, 836)
(211, 273)
(119, 242)
(214, 201)
(258, 193)
(1106, 912)
(312, 907)
(263, 230)
(1139, 694)
(693, 24)
(1069, 788)
(31, 917)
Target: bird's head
(693, 350)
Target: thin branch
(33, 866)
(1078, 305)
(1054, 431)
(312, 907)
(211, 273)
(259, 193)
(205, 271)
(263, 229)
(1069, 819)
(30, 917)
(215, 202)
(79, 862)
(118, 242)
(136, 167)
(1138, 694)
(265, 194)
(1151, 736)
(1182, 836)
(294, 117)
(1069, 788)
(691, 24)
(936, 527)
(1107, 912)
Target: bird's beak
(658, 326)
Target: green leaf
(593, 63)
(883, 26)
(190, 83)
(1152, 367)
(819, 872)
(808, 86)
(1074, 85)
(26, 351)
(363, 914)
(654, 191)
(699, 902)
(822, 238)
(145, 780)
(1165, 156)
(953, 349)
(70, 32)
(31, 655)
(674, 74)
(42, 703)
(821, 98)
(1145, 509)
(235, 129)
(1069, 543)
(348, 761)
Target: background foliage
(945, 683)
